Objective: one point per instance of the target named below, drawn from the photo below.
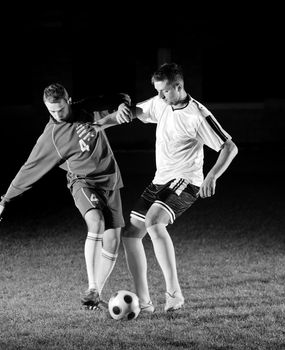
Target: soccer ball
(124, 305)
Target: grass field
(230, 254)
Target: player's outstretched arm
(227, 154)
(124, 114)
(120, 116)
(127, 116)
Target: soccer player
(184, 126)
(72, 141)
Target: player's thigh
(174, 201)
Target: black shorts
(175, 197)
(109, 202)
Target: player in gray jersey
(73, 141)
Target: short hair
(171, 72)
(54, 93)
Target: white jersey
(180, 137)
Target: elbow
(233, 150)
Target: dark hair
(54, 93)
(171, 72)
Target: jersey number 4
(83, 145)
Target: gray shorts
(109, 202)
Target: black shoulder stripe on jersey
(216, 128)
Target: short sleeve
(211, 133)
(149, 111)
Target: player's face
(168, 93)
(59, 110)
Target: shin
(136, 258)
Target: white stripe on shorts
(138, 216)
(85, 195)
(178, 185)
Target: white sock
(92, 253)
(165, 255)
(107, 264)
(137, 265)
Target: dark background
(235, 56)
(232, 57)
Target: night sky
(235, 56)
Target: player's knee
(134, 229)
(153, 220)
(157, 231)
(95, 221)
(150, 221)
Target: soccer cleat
(147, 307)
(90, 299)
(174, 301)
(102, 304)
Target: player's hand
(1, 211)
(208, 187)
(124, 114)
(126, 98)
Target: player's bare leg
(136, 260)
(156, 222)
(92, 252)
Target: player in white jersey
(184, 126)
